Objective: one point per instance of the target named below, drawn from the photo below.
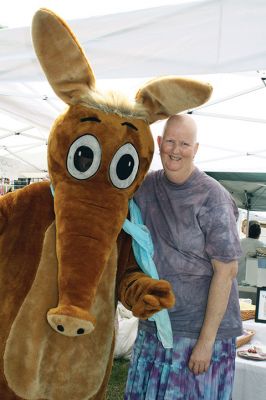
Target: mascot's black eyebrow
(93, 119)
(130, 125)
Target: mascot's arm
(139, 293)
(27, 208)
(24, 217)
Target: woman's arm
(218, 297)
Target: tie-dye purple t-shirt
(191, 224)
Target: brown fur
(58, 257)
(53, 358)
(163, 96)
(20, 254)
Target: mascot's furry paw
(146, 296)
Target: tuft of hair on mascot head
(58, 254)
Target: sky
(14, 13)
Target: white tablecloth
(250, 376)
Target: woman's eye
(124, 166)
(84, 157)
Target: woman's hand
(200, 358)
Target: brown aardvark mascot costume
(58, 253)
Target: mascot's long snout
(86, 234)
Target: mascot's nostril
(68, 325)
(60, 328)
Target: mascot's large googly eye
(124, 166)
(84, 157)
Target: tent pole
(234, 95)
(248, 206)
(247, 223)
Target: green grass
(117, 382)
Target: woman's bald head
(183, 121)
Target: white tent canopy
(192, 37)
(224, 39)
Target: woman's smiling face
(178, 147)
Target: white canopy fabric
(193, 37)
(222, 38)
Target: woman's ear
(159, 141)
(196, 149)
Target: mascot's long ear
(166, 96)
(61, 57)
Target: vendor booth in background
(250, 368)
(11, 184)
(256, 269)
(21, 182)
(249, 192)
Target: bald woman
(192, 221)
